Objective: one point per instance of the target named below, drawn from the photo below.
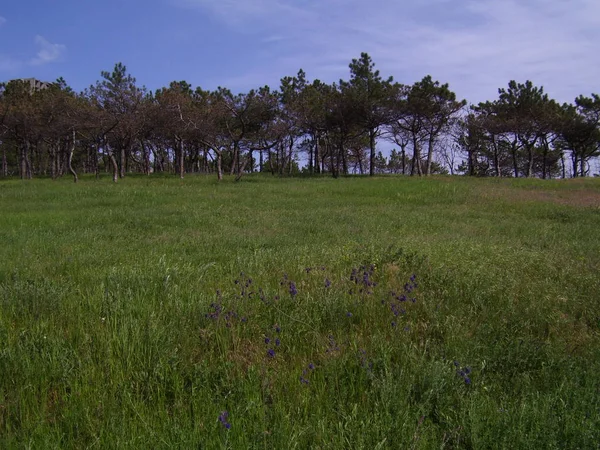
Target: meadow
(386, 312)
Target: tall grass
(299, 313)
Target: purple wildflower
(327, 282)
(223, 419)
(271, 353)
(293, 290)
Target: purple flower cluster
(270, 342)
(363, 278)
(364, 360)
(396, 304)
(332, 347)
(223, 418)
(245, 284)
(228, 316)
(463, 372)
(306, 372)
(216, 313)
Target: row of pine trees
(118, 127)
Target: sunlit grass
(136, 314)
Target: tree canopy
(119, 127)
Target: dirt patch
(578, 198)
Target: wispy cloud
(48, 52)
(475, 45)
(2, 21)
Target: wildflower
(271, 353)
(293, 290)
(333, 347)
(223, 419)
(349, 314)
(463, 372)
(327, 282)
(267, 340)
(277, 329)
(277, 342)
(305, 373)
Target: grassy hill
(317, 313)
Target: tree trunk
(4, 161)
(545, 159)
(430, 146)
(122, 171)
(316, 165)
(53, 161)
(113, 162)
(515, 162)
(344, 159)
(529, 160)
(219, 165)
(416, 162)
(181, 160)
(70, 162)
(403, 153)
(22, 163)
(372, 134)
(28, 174)
(310, 158)
(496, 157)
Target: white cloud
(48, 52)
(475, 45)
(2, 21)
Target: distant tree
(371, 95)
(579, 132)
(119, 99)
(523, 107)
(437, 106)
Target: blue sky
(476, 46)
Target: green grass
(105, 290)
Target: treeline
(119, 127)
